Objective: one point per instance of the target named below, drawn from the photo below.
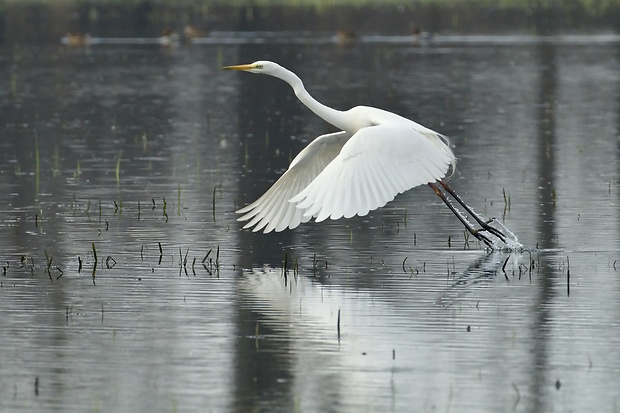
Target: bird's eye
(258, 66)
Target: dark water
(146, 151)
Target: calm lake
(128, 285)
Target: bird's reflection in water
(481, 272)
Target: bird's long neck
(332, 116)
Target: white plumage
(376, 156)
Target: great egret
(376, 155)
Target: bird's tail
(445, 141)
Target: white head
(266, 67)
(262, 66)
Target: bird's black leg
(473, 231)
(485, 225)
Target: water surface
(145, 151)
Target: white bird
(376, 156)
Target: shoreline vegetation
(557, 4)
(46, 21)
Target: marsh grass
(164, 212)
(256, 336)
(285, 264)
(161, 253)
(179, 200)
(77, 172)
(567, 276)
(592, 7)
(37, 163)
(56, 159)
(338, 325)
(118, 169)
(94, 255)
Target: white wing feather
(273, 211)
(375, 165)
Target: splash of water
(512, 242)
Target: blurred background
(127, 284)
(46, 21)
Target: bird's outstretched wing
(273, 211)
(375, 165)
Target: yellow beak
(238, 67)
